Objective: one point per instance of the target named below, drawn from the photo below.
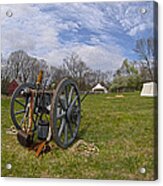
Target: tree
(119, 84)
(25, 68)
(5, 76)
(57, 74)
(19, 65)
(77, 69)
(147, 52)
(126, 77)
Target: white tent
(149, 89)
(99, 88)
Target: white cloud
(85, 14)
(37, 31)
(127, 16)
(141, 27)
(96, 57)
(56, 56)
(28, 29)
(100, 58)
(16, 40)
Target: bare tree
(146, 50)
(15, 62)
(74, 65)
(5, 75)
(57, 73)
(24, 67)
(77, 69)
(19, 65)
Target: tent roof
(150, 83)
(98, 86)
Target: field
(116, 139)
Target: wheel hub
(69, 113)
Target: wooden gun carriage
(38, 113)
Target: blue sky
(103, 34)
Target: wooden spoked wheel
(19, 109)
(65, 113)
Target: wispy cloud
(103, 34)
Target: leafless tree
(24, 67)
(77, 69)
(147, 51)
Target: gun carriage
(45, 115)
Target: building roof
(17, 81)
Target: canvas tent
(99, 88)
(149, 89)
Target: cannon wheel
(65, 113)
(19, 102)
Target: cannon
(41, 114)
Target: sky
(102, 34)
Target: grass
(121, 128)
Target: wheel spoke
(70, 95)
(20, 103)
(26, 100)
(77, 111)
(21, 122)
(61, 127)
(70, 128)
(74, 100)
(75, 122)
(60, 116)
(66, 135)
(62, 104)
(66, 95)
(19, 112)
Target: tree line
(24, 68)
(129, 77)
(132, 74)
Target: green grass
(121, 128)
